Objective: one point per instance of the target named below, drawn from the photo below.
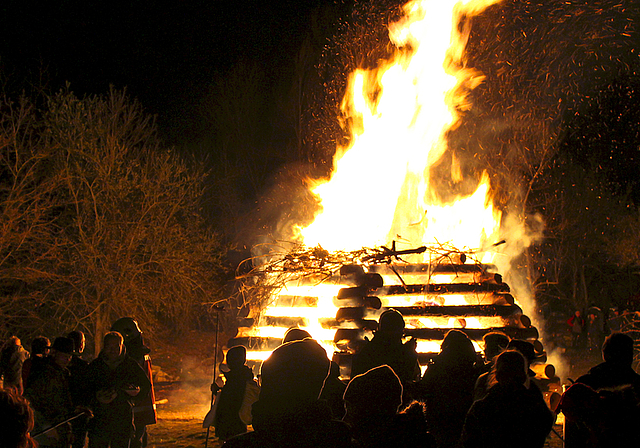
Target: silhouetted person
(49, 395)
(595, 329)
(495, 343)
(447, 387)
(115, 382)
(333, 391)
(227, 421)
(616, 370)
(511, 414)
(144, 410)
(40, 347)
(288, 412)
(578, 328)
(295, 334)
(78, 371)
(12, 356)
(16, 420)
(526, 349)
(372, 400)
(387, 348)
(605, 413)
(598, 419)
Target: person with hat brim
(48, 392)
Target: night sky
(164, 52)
(568, 69)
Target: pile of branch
(317, 264)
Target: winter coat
(576, 323)
(11, 359)
(510, 415)
(227, 421)
(406, 429)
(608, 374)
(118, 377)
(381, 350)
(308, 427)
(48, 390)
(447, 388)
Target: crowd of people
(58, 399)
(464, 399)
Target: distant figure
(614, 322)
(387, 348)
(495, 343)
(577, 327)
(78, 370)
(40, 347)
(115, 382)
(447, 387)
(12, 356)
(16, 421)
(511, 414)
(144, 407)
(372, 400)
(295, 334)
(288, 412)
(595, 329)
(227, 420)
(48, 392)
(616, 370)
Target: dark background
(556, 122)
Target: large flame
(381, 190)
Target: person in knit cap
(447, 387)
(387, 348)
(372, 401)
(288, 412)
(511, 414)
(227, 421)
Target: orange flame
(381, 189)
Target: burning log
(438, 334)
(442, 268)
(477, 272)
(296, 301)
(461, 310)
(446, 288)
(438, 288)
(256, 343)
(286, 321)
(547, 371)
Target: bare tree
(100, 220)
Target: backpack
(251, 394)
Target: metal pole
(217, 308)
(50, 428)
